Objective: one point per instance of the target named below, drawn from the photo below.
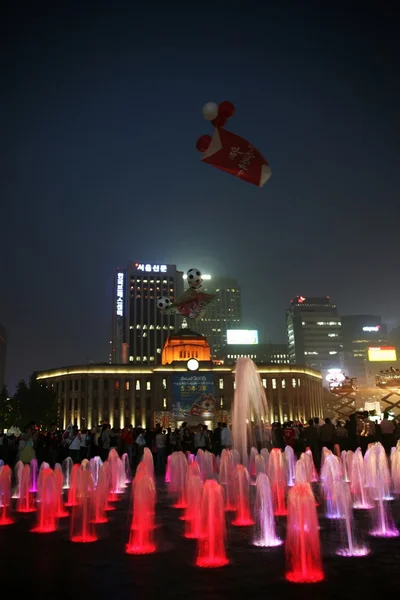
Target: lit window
(137, 326)
(221, 402)
(127, 386)
(332, 352)
(148, 385)
(145, 334)
(234, 385)
(138, 359)
(164, 403)
(221, 384)
(158, 350)
(151, 358)
(274, 384)
(294, 382)
(131, 359)
(144, 326)
(151, 327)
(264, 382)
(138, 384)
(144, 358)
(164, 384)
(283, 383)
(298, 382)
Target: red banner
(235, 155)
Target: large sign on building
(120, 295)
(193, 395)
(148, 268)
(382, 354)
(242, 336)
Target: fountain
(82, 529)
(252, 462)
(290, 460)
(349, 463)
(249, 404)
(343, 458)
(149, 461)
(73, 485)
(26, 500)
(5, 495)
(142, 528)
(303, 554)
(314, 477)
(19, 467)
(226, 472)
(95, 464)
(168, 470)
(277, 479)
(259, 464)
(67, 468)
(377, 476)
(343, 500)
(361, 499)
(265, 534)
(200, 459)
(211, 543)
(330, 473)
(127, 468)
(59, 482)
(241, 487)
(208, 465)
(265, 454)
(395, 469)
(194, 489)
(179, 468)
(34, 474)
(48, 494)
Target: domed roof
(186, 334)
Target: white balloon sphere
(210, 111)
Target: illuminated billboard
(382, 354)
(120, 294)
(242, 336)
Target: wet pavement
(50, 566)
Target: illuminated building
(139, 328)
(359, 332)
(190, 388)
(314, 335)
(262, 354)
(3, 355)
(223, 313)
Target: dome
(183, 345)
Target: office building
(262, 354)
(360, 332)
(139, 328)
(185, 388)
(314, 333)
(223, 313)
(3, 355)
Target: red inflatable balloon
(226, 110)
(203, 143)
(219, 121)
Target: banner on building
(193, 395)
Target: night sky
(100, 112)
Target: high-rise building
(3, 355)
(223, 313)
(360, 332)
(314, 335)
(139, 328)
(261, 354)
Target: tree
(7, 415)
(35, 402)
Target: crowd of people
(55, 445)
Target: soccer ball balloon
(163, 302)
(194, 278)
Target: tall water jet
(208, 465)
(249, 405)
(73, 486)
(303, 554)
(226, 472)
(349, 463)
(377, 478)
(141, 539)
(343, 500)
(178, 478)
(168, 470)
(26, 500)
(241, 487)
(194, 490)
(95, 464)
(395, 469)
(331, 472)
(200, 459)
(127, 468)
(47, 511)
(361, 497)
(59, 482)
(252, 462)
(265, 454)
(103, 483)
(259, 464)
(211, 543)
(18, 469)
(82, 529)
(314, 477)
(290, 460)
(149, 461)
(34, 474)
(67, 468)
(5, 495)
(277, 479)
(343, 458)
(264, 534)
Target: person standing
(216, 446)
(387, 428)
(161, 444)
(75, 445)
(226, 437)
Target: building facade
(262, 354)
(124, 394)
(314, 333)
(3, 355)
(223, 313)
(359, 332)
(139, 328)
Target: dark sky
(100, 112)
